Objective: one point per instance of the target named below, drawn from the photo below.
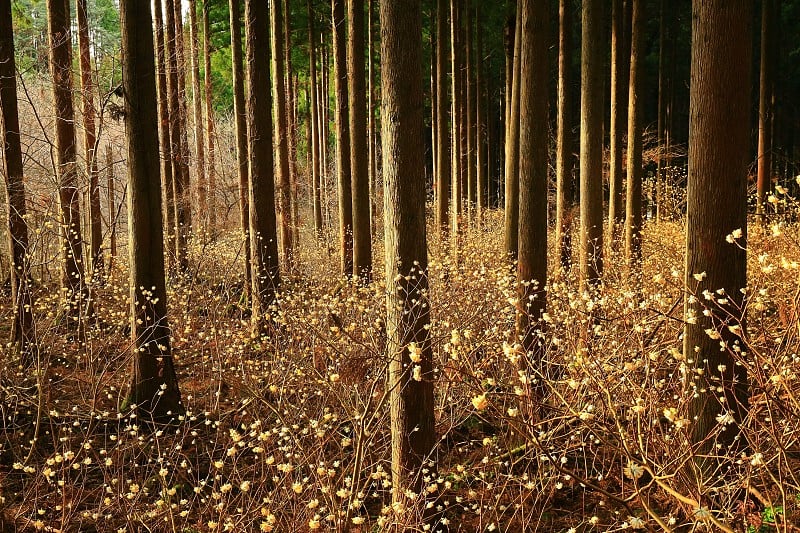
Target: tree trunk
(619, 96)
(373, 167)
(633, 215)
(719, 137)
(532, 261)
(69, 199)
(512, 149)
(291, 118)
(765, 103)
(22, 331)
(442, 136)
(154, 387)
(112, 206)
(660, 171)
(242, 157)
(564, 157)
(316, 122)
(281, 132)
(591, 237)
(455, 120)
(211, 176)
(197, 101)
(89, 142)
(165, 136)
(362, 236)
(343, 166)
(408, 314)
(469, 110)
(481, 186)
(263, 226)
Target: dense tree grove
(400, 265)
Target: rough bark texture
(89, 141)
(362, 236)
(154, 387)
(22, 332)
(211, 174)
(633, 215)
(564, 158)
(263, 224)
(291, 118)
(242, 148)
(112, 206)
(481, 185)
(199, 132)
(619, 97)
(592, 56)
(343, 166)
(765, 103)
(281, 132)
(660, 167)
(532, 259)
(469, 111)
(373, 167)
(412, 420)
(716, 206)
(512, 150)
(442, 135)
(58, 22)
(315, 119)
(455, 120)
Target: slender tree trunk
(659, 192)
(719, 136)
(356, 74)
(408, 315)
(197, 101)
(532, 261)
(591, 237)
(619, 96)
(481, 203)
(281, 132)
(512, 149)
(564, 157)
(442, 136)
(469, 101)
(89, 142)
(263, 224)
(22, 331)
(343, 163)
(165, 136)
(77, 297)
(373, 167)
(316, 122)
(633, 218)
(455, 120)
(765, 103)
(211, 176)
(112, 206)
(242, 148)
(154, 386)
(291, 117)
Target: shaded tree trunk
(373, 167)
(291, 117)
(633, 218)
(469, 110)
(343, 164)
(408, 315)
(22, 331)
(512, 149)
(620, 59)
(455, 120)
(442, 136)
(719, 136)
(263, 223)
(765, 103)
(564, 157)
(197, 101)
(154, 386)
(112, 206)
(481, 147)
(316, 123)
(211, 175)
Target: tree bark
(291, 117)
(211, 175)
(481, 148)
(564, 158)
(455, 119)
(633, 216)
(197, 101)
(469, 102)
(408, 315)
(373, 167)
(620, 60)
(316, 122)
(263, 223)
(512, 149)
(765, 104)
(343, 164)
(442, 135)
(362, 236)
(112, 206)
(22, 331)
(154, 387)
(719, 136)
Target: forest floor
(291, 432)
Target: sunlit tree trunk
(564, 158)
(211, 176)
(469, 110)
(199, 135)
(481, 148)
(719, 139)
(291, 117)
(343, 164)
(633, 217)
(765, 103)
(442, 132)
(660, 170)
(316, 122)
(22, 330)
(455, 121)
(512, 149)
(619, 96)
(154, 385)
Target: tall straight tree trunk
(564, 157)
(765, 103)
(112, 206)
(154, 386)
(291, 117)
(532, 261)
(442, 135)
(89, 142)
(509, 32)
(263, 223)
(22, 331)
(343, 164)
(242, 148)
(281, 132)
(469, 101)
(356, 75)
(719, 137)
(316, 170)
(373, 167)
(481, 146)
(184, 186)
(619, 96)
(165, 136)
(211, 176)
(58, 22)
(408, 314)
(512, 149)
(660, 170)
(633, 218)
(591, 236)
(455, 120)
(197, 101)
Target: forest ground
(291, 432)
